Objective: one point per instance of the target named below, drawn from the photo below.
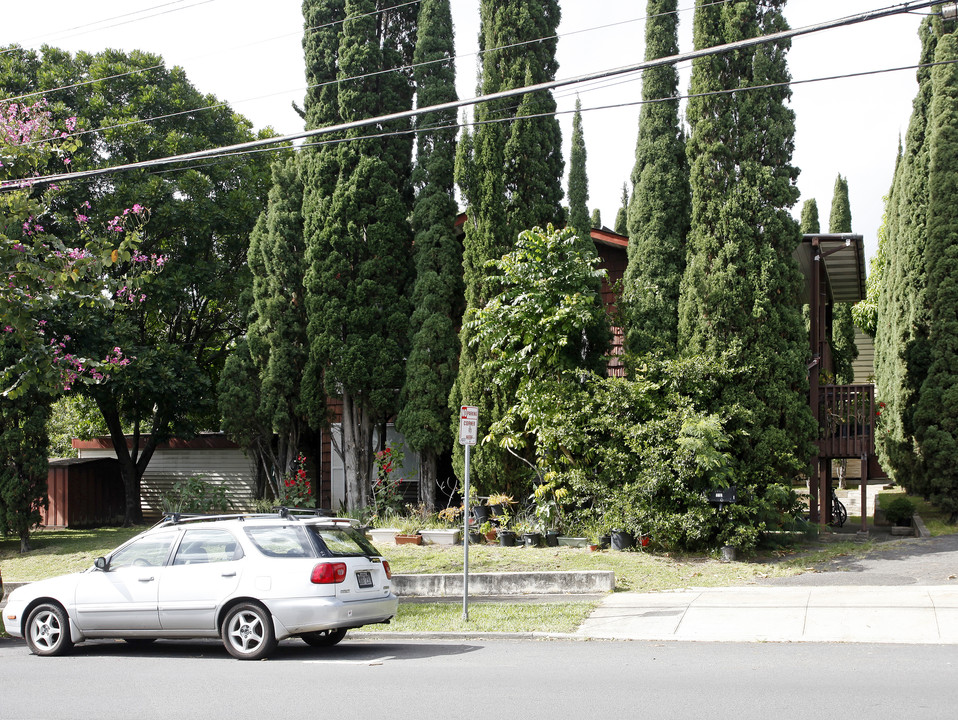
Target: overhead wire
(340, 81)
(551, 85)
(220, 158)
(115, 17)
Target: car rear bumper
(297, 616)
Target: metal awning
(843, 257)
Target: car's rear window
(341, 541)
(281, 541)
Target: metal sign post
(468, 430)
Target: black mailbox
(725, 496)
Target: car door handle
(146, 579)
(231, 573)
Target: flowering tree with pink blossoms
(43, 282)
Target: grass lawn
(562, 617)
(62, 551)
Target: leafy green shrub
(196, 495)
(900, 511)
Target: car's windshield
(281, 541)
(341, 541)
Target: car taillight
(389, 573)
(328, 574)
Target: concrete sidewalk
(910, 615)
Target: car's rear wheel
(48, 630)
(248, 633)
(324, 638)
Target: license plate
(364, 578)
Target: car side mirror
(101, 564)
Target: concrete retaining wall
(510, 583)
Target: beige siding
(167, 467)
(864, 365)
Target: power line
(338, 80)
(116, 17)
(547, 86)
(219, 158)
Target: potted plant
(549, 500)
(500, 505)
(408, 531)
(488, 531)
(448, 532)
(386, 534)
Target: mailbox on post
(722, 497)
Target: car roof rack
(286, 513)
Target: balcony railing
(846, 418)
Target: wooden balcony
(846, 418)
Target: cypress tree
(740, 288)
(936, 416)
(578, 180)
(902, 354)
(438, 293)
(277, 336)
(361, 247)
(622, 216)
(658, 216)
(597, 218)
(809, 222)
(844, 350)
(515, 169)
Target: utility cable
(338, 80)
(540, 87)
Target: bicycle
(839, 513)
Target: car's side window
(207, 546)
(281, 541)
(149, 551)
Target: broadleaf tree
(200, 219)
(515, 167)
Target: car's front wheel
(248, 633)
(48, 630)
(324, 638)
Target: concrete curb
(572, 582)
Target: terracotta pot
(409, 539)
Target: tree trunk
(427, 479)
(133, 461)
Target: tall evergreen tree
(515, 169)
(844, 350)
(359, 242)
(740, 290)
(936, 416)
(658, 218)
(810, 222)
(901, 351)
(438, 292)
(578, 180)
(596, 218)
(276, 340)
(622, 216)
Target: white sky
(249, 54)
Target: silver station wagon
(251, 580)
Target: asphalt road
(422, 679)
